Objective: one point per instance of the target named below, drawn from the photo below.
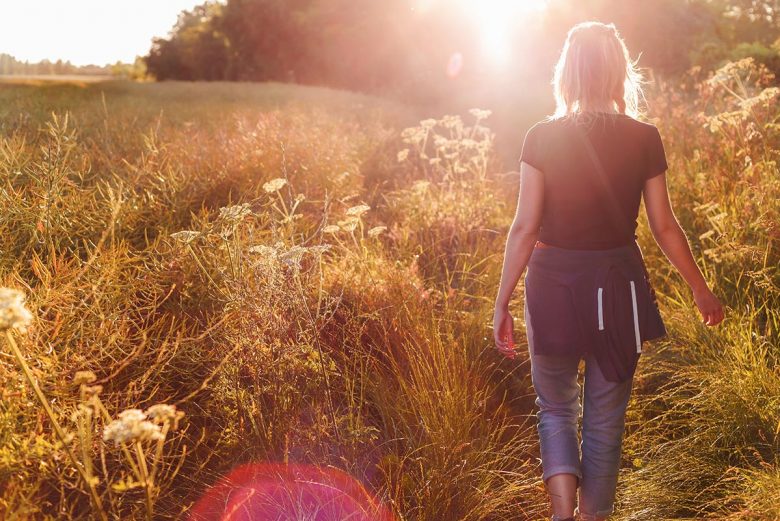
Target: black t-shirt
(580, 212)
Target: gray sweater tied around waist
(599, 301)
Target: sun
(497, 19)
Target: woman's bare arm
(519, 246)
(523, 232)
(673, 242)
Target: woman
(587, 293)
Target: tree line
(9, 65)
(401, 46)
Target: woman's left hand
(503, 327)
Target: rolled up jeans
(555, 382)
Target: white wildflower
(274, 185)
(348, 224)
(13, 314)
(331, 228)
(440, 141)
(293, 256)
(162, 413)
(234, 213)
(376, 230)
(413, 135)
(319, 249)
(264, 250)
(358, 210)
(185, 236)
(480, 113)
(451, 121)
(428, 123)
(131, 425)
(402, 155)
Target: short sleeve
(532, 150)
(656, 156)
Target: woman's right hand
(709, 306)
(503, 335)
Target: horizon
(106, 32)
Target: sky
(85, 31)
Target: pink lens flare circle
(455, 64)
(274, 491)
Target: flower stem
(57, 429)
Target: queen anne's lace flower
(162, 413)
(185, 236)
(132, 425)
(234, 213)
(349, 224)
(376, 230)
(480, 113)
(13, 314)
(274, 185)
(358, 210)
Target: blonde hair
(595, 68)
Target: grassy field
(308, 276)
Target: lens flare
(262, 491)
(455, 64)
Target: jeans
(554, 379)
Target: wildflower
(185, 236)
(402, 155)
(331, 228)
(264, 250)
(376, 230)
(131, 425)
(358, 210)
(319, 249)
(234, 213)
(13, 314)
(293, 256)
(162, 413)
(434, 160)
(274, 185)
(428, 123)
(413, 135)
(348, 224)
(440, 141)
(480, 113)
(731, 70)
(763, 98)
(84, 377)
(451, 121)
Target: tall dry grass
(307, 276)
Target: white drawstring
(601, 310)
(636, 318)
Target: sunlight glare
(497, 20)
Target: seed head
(131, 425)
(13, 314)
(274, 185)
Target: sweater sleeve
(532, 150)
(656, 156)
